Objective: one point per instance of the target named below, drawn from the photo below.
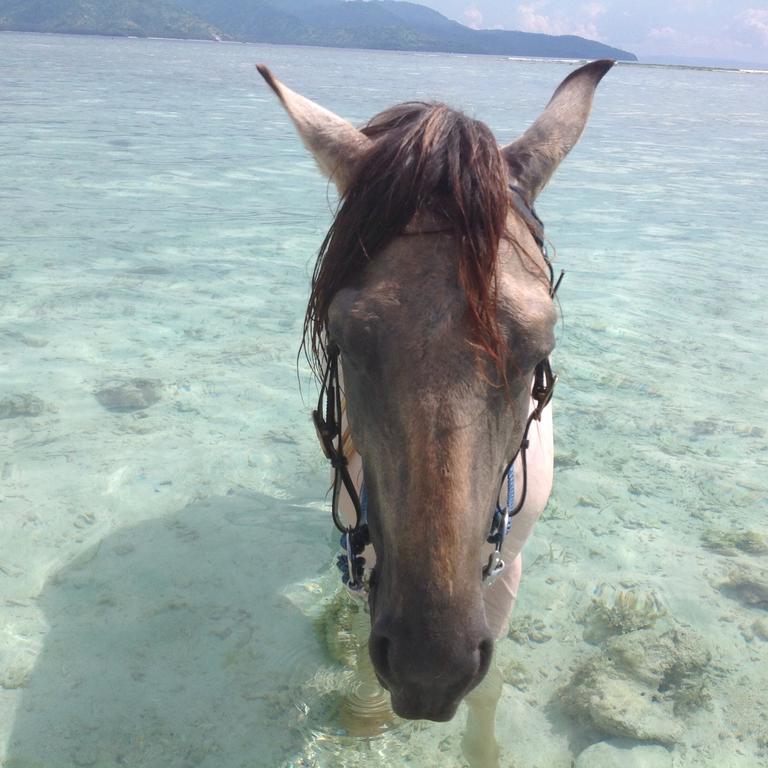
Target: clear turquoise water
(158, 568)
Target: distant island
(377, 24)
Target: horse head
(434, 289)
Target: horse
(430, 325)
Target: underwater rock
(750, 431)
(281, 436)
(15, 669)
(614, 706)
(760, 629)
(20, 405)
(673, 663)
(348, 693)
(29, 341)
(618, 753)
(639, 685)
(528, 629)
(747, 584)
(129, 396)
(340, 625)
(515, 674)
(566, 460)
(705, 427)
(14, 677)
(733, 542)
(620, 612)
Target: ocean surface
(166, 590)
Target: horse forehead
(412, 287)
(409, 286)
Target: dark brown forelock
(425, 156)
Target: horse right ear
(336, 145)
(534, 157)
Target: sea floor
(166, 590)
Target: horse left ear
(335, 144)
(534, 157)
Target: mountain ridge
(372, 24)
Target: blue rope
(510, 494)
(353, 543)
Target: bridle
(328, 424)
(327, 421)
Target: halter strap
(354, 538)
(543, 388)
(328, 425)
(528, 214)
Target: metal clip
(506, 522)
(496, 566)
(355, 582)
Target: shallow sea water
(164, 572)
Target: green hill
(142, 18)
(381, 24)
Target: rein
(327, 420)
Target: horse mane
(424, 156)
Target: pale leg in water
(479, 745)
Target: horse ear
(335, 144)
(534, 157)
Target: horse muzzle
(428, 673)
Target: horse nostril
(379, 649)
(485, 651)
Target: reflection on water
(160, 220)
(346, 700)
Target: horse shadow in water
(193, 640)
(172, 644)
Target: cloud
(663, 33)
(755, 20)
(531, 19)
(675, 42)
(692, 5)
(474, 17)
(593, 10)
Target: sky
(712, 29)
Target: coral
(348, 693)
(747, 584)
(614, 706)
(341, 625)
(627, 754)
(515, 674)
(639, 685)
(526, 629)
(663, 659)
(626, 611)
(733, 542)
(691, 695)
(21, 405)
